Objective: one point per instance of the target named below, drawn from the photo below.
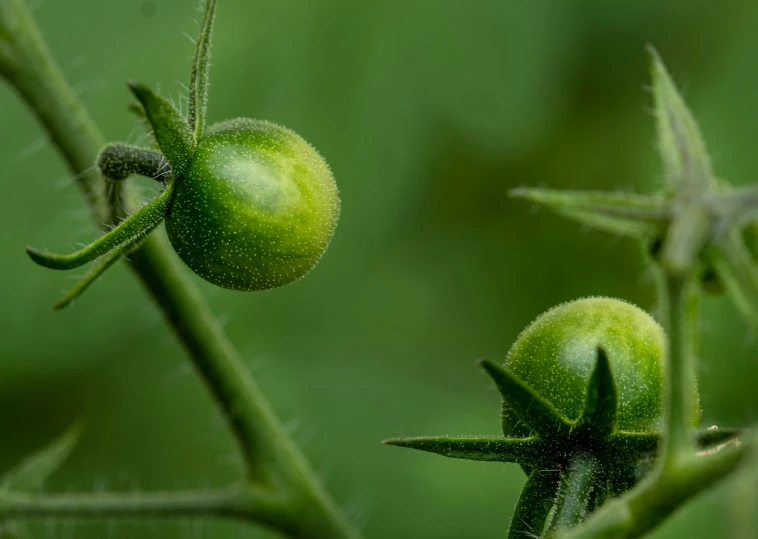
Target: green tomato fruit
(556, 354)
(255, 208)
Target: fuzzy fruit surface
(555, 356)
(255, 208)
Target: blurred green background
(428, 112)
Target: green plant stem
(678, 442)
(131, 229)
(574, 493)
(271, 457)
(654, 500)
(266, 447)
(234, 501)
(30, 68)
(534, 504)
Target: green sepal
(138, 110)
(633, 442)
(31, 473)
(534, 504)
(647, 442)
(513, 427)
(482, 448)
(598, 418)
(624, 214)
(198, 96)
(738, 208)
(680, 142)
(172, 132)
(133, 227)
(97, 270)
(736, 270)
(511, 423)
(538, 414)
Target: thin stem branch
(271, 457)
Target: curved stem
(133, 227)
(534, 504)
(574, 499)
(118, 161)
(312, 513)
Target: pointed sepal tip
(538, 414)
(601, 403)
(173, 134)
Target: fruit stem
(575, 493)
(534, 504)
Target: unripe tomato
(556, 354)
(255, 208)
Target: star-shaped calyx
(573, 465)
(697, 224)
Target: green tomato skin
(255, 208)
(556, 354)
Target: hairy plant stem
(272, 460)
(27, 64)
(575, 492)
(681, 315)
(534, 504)
(233, 501)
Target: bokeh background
(428, 112)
